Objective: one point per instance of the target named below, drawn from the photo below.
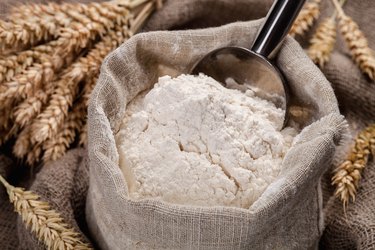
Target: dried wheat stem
(355, 39)
(47, 123)
(142, 16)
(323, 42)
(348, 174)
(46, 224)
(57, 146)
(306, 18)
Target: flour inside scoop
(191, 141)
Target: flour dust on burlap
(190, 140)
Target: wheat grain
(348, 174)
(46, 224)
(306, 18)
(355, 39)
(323, 42)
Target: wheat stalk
(46, 224)
(361, 53)
(348, 174)
(309, 13)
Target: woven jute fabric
(355, 94)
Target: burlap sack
(287, 215)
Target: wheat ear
(309, 13)
(347, 175)
(46, 224)
(355, 39)
(323, 42)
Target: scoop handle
(278, 22)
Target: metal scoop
(251, 69)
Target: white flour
(191, 141)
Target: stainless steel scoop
(251, 69)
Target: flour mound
(192, 141)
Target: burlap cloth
(65, 182)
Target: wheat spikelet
(24, 148)
(30, 108)
(34, 155)
(323, 42)
(15, 64)
(25, 85)
(361, 53)
(22, 145)
(57, 146)
(348, 174)
(309, 13)
(306, 18)
(46, 224)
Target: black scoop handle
(278, 22)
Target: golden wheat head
(309, 13)
(347, 176)
(46, 224)
(323, 42)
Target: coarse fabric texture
(354, 91)
(283, 217)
